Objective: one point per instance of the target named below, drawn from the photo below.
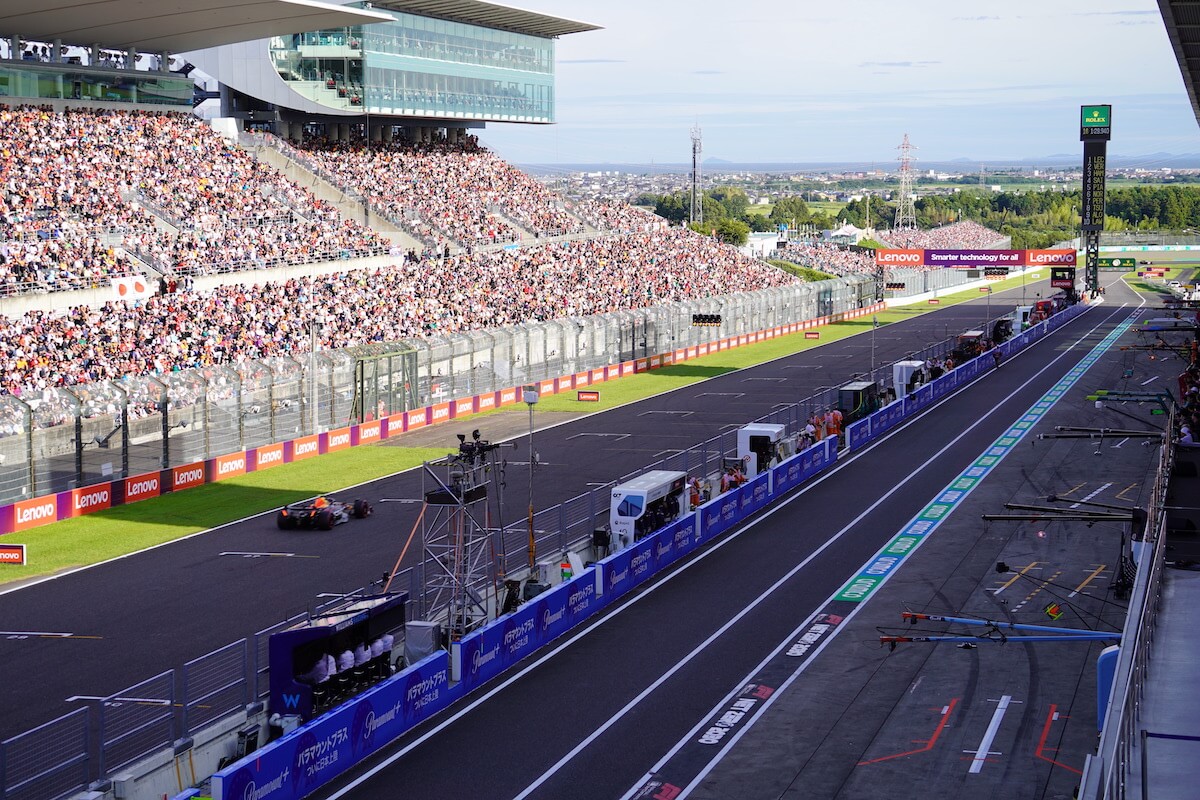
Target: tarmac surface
(624, 705)
(132, 618)
(745, 673)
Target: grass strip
(129, 528)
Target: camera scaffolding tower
(461, 524)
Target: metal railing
(1106, 774)
(71, 437)
(48, 762)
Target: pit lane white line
(366, 776)
(779, 692)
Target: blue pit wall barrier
(304, 760)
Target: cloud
(591, 61)
(708, 72)
(1115, 13)
(898, 63)
(973, 19)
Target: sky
(802, 81)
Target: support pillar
(389, 133)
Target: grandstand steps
(17, 305)
(346, 205)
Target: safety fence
(147, 717)
(92, 743)
(324, 748)
(81, 449)
(1107, 774)
(50, 761)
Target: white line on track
(989, 736)
(779, 692)
(628, 603)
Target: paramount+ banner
(974, 259)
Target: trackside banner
(296, 765)
(29, 513)
(890, 257)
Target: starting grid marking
(264, 555)
(914, 533)
(616, 437)
(19, 635)
(686, 765)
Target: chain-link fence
(69, 437)
(48, 762)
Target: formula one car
(321, 513)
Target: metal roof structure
(1182, 18)
(490, 15)
(173, 26)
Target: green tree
(790, 211)
(732, 231)
(732, 199)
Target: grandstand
(966, 235)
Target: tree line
(1032, 219)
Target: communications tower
(906, 209)
(697, 211)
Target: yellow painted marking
(1126, 489)
(1095, 573)
(1073, 489)
(1016, 577)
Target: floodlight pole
(530, 396)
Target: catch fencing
(72, 437)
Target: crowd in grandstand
(617, 217)
(964, 235)
(459, 192)
(829, 258)
(72, 185)
(230, 324)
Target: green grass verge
(126, 529)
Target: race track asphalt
(137, 616)
(625, 696)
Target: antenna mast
(697, 210)
(906, 209)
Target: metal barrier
(137, 721)
(48, 762)
(93, 433)
(1105, 774)
(215, 686)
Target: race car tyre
(362, 509)
(325, 520)
(282, 522)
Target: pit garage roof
(1182, 18)
(490, 15)
(174, 26)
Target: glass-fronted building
(459, 61)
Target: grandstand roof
(174, 26)
(1182, 18)
(491, 15)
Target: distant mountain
(714, 161)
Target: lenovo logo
(41, 511)
(96, 499)
(306, 448)
(233, 465)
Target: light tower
(697, 211)
(906, 209)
